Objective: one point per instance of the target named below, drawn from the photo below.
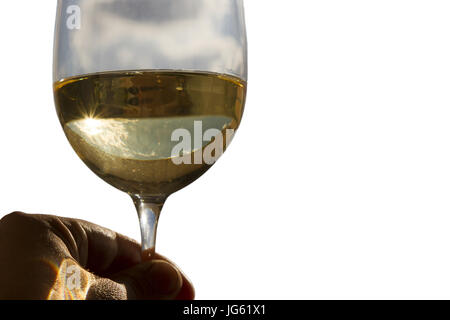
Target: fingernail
(163, 278)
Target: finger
(93, 247)
(106, 289)
(187, 291)
(102, 250)
(152, 280)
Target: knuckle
(12, 217)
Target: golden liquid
(121, 123)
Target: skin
(49, 257)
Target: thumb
(152, 280)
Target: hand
(48, 257)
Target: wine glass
(150, 92)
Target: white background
(337, 185)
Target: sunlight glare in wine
(92, 126)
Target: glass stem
(148, 209)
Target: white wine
(121, 123)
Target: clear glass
(150, 92)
